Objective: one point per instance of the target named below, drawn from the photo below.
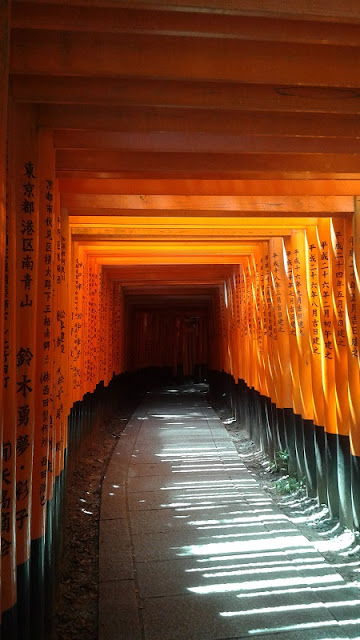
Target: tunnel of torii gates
(190, 238)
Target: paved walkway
(192, 549)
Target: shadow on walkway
(191, 548)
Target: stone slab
(115, 557)
(113, 501)
(180, 617)
(170, 499)
(118, 611)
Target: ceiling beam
(181, 274)
(200, 142)
(153, 220)
(210, 187)
(84, 126)
(171, 57)
(218, 165)
(196, 174)
(332, 10)
(148, 92)
(30, 15)
(173, 259)
(274, 205)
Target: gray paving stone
(181, 482)
(144, 457)
(157, 520)
(150, 469)
(113, 502)
(173, 577)
(180, 617)
(162, 546)
(115, 558)
(118, 611)
(161, 499)
(328, 632)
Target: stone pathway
(191, 548)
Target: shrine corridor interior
(179, 198)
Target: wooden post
(341, 369)
(27, 259)
(313, 256)
(327, 324)
(7, 550)
(8, 507)
(44, 382)
(353, 309)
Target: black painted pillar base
(23, 600)
(9, 624)
(246, 412)
(37, 581)
(232, 395)
(320, 463)
(256, 417)
(299, 447)
(266, 427)
(355, 489)
(289, 428)
(309, 458)
(344, 481)
(279, 429)
(49, 568)
(238, 404)
(331, 473)
(252, 414)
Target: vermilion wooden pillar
(339, 229)
(4, 68)
(281, 352)
(280, 330)
(27, 259)
(353, 305)
(8, 557)
(293, 260)
(304, 355)
(316, 338)
(45, 386)
(327, 324)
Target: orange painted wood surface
(195, 173)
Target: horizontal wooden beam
(214, 214)
(200, 142)
(127, 92)
(152, 221)
(139, 294)
(188, 305)
(194, 174)
(186, 236)
(173, 259)
(210, 187)
(84, 126)
(30, 15)
(179, 274)
(115, 273)
(274, 205)
(213, 252)
(332, 10)
(170, 57)
(139, 247)
(217, 164)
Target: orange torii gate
(154, 213)
(284, 327)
